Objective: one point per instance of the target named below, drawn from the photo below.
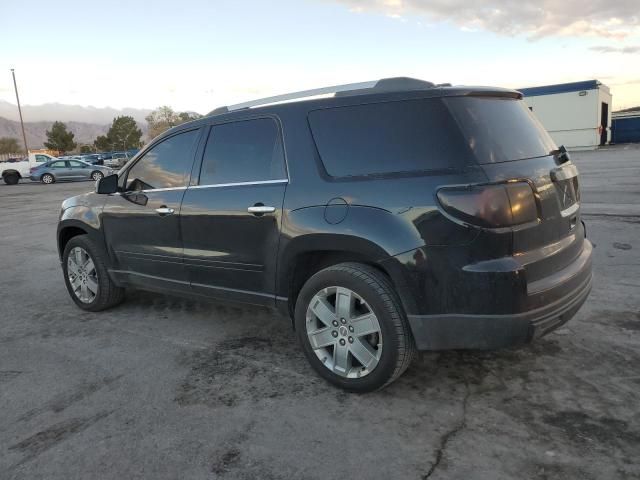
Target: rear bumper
(543, 308)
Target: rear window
(385, 138)
(499, 130)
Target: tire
(47, 179)
(96, 175)
(11, 179)
(390, 351)
(107, 294)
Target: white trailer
(576, 115)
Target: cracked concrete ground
(165, 388)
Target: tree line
(123, 134)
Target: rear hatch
(510, 144)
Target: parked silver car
(55, 170)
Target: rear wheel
(97, 175)
(11, 178)
(86, 276)
(352, 327)
(47, 178)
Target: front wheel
(97, 175)
(86, 276)
(352, 327)
(11, 178)
(47, 179)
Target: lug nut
(343, 321)
(335, 323)
(350, 328)
(342, 342)
(350, 339)
(334, 334)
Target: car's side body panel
(229, 252)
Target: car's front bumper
(536, 308)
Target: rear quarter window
(500, 129)
(388, 138)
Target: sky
(196, 55)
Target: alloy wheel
(82, 275)
(344, 332)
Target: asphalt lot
(166, 388)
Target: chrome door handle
(260, 209)
(164, 211)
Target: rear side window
(500, 129)
(166, 165)
(385, 138)
(244, 151)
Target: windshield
(500, 129)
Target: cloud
(532, 18)
(608, 49)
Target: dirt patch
(50, 437)
(622, 246)
(8, 375)
(584, 429)
(247, 369)
(61, 402)
(624, 319)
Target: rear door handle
(164, 211)
(261, 209)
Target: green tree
(122, 135)
(59, 138)
(102, 143)
(163, 118)
(9, 145)
(86, 149)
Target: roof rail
(394, 84)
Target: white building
(577, 115)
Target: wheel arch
(72, 227)
(11, 171)
(307, 255)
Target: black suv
(391, 217)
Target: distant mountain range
(85, 133)
(50, 112)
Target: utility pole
(24, 136)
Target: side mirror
(108, 184)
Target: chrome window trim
(214, 185)
(168, 189)
(570, 210)
(239, 184)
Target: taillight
(491, 206)
(33, 169)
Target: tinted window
(41, 158)
(166, 165)
(76, 164)
(390, 137)
(498, 130)
(246, 151)
(60, 164)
